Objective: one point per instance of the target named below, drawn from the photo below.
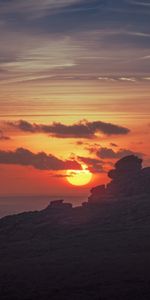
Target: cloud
(32, 52)
(40, 161)
(82, 129)
(32, 48)
(105, 153)
(3, 137)
(130, 79)
(35, 8)
(140, 3)
(113, 145)
(30, 55)
(94, 165)
(79, 143)
(60, 175)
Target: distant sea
(10, 205)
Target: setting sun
(79, 177)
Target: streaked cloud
(130, 79)
(139, 3)
(98, 43)
(35, 8)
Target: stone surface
(127, 179)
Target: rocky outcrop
(58, 205)
(127, 179)
(97, 193)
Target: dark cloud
(40, 161)
(82, 129)
(79, 143)
(94, 165)
(60, 175)
(92, 148)
(113, 145)
(105, 153)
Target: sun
(79, 177)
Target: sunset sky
(74, 92)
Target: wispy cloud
(139, 3)
(35, 8)
(94, 165)
(38, 49)
(130, 79)
(34, 55)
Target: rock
(127, 179)
(145, 180)
(98, 193)
(58, 205)
(125, 176)
(129, 163)
(128, 166)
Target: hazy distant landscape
(10, 205)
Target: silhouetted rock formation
(90, 252)
(98, 192)
(59, 205)
(127, 179)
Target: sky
(74, 82)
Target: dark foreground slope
(99, 251)
(92, 252)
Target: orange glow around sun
(79, 177)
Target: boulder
(58, 205)
(127, 179)
(97, 194)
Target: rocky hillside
(98, 251)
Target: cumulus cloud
(40, 161)
(82, 129)
(105, 153)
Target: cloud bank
(94, 165)
(82, 129)
(105, 153)
(40, 161)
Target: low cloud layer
(82, 129)
(40, 161)
(105, 153)
(94, 165)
